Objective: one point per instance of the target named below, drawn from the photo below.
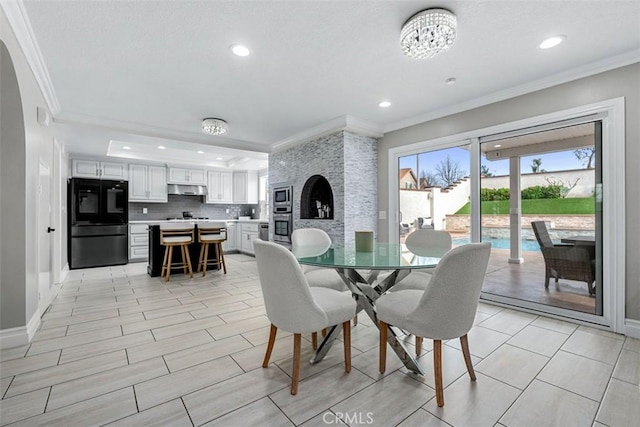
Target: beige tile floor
(120, 348)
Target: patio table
(366, 290)
(580, 240)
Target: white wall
(20, 157)
(584, 188)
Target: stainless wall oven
(282, 228)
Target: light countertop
(158, 221)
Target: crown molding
(19, 21)
(593, 68)
(342, 123)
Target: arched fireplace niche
(316, 201)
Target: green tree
(484, 170)
(535, 166)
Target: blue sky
(563, 160)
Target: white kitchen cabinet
(187, 176)
(100, 170)
(245, 187)
(147, 183)
(249, 232)
(138, 242)
(231, 244)
(219, 187)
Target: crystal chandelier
(428, 33)
(214, 126)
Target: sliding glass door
(540, 212)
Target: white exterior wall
(584, 188)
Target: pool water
(500, 243)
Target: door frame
(613, 178)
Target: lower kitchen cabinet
(249, 232)
(231, 244)
(138, 242)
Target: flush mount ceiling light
(428, 33)
(240, 50)
(552, 42)
(384, 104)
(214, 126)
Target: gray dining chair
(445, 310)
(293, 306)
(428, 243)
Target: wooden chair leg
(169, 261)
(314, 340)
(200, 257)
(164, 262)
(272, 339)
(418, 345)
(346, 332)
(437, 370)
(324, 332)
(184, 260)
(186, 252)
(205, 260)
(355, 320)
(464, 342)
(296, 363)
(383, 347)
(221, 258)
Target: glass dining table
(360, 272)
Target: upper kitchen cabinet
(147, 183)
(100, 170)
(187, 176)
(245, 187)
(219, 187)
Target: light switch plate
(382, 215)
(144, 211)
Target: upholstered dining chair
(428, 243)
(313, 242)
(445, 310)
(293, 306)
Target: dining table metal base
(366, 291)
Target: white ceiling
(148, 72)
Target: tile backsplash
(177, 204)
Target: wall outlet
(382, 215)
(227, 210)
(253, 211)
(145, 211)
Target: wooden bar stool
(212, 234)
(176, 234)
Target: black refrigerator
(98, 217)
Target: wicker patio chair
(565, 261)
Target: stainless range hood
(186, 190)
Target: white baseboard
(13, 337)
(33, 325)
(64, 272)
(632, 328)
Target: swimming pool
(500, 243)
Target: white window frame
(613, 210)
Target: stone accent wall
(349, 163)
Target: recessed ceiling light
(384, 104)
(126, 147)
(497, 146)
(161, 147)
(240, 50)
(200, 152)
(552, 42)
(450, 81)
(218, 158)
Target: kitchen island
(156, 250)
